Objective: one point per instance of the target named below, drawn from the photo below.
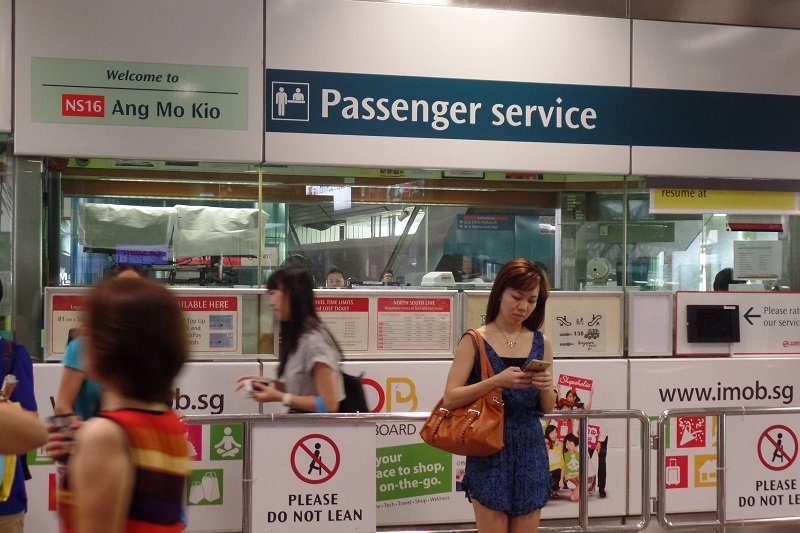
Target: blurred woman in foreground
(127, 471)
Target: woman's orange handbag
(474, 429)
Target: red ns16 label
(83, 105)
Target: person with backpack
(16, 361)
(77, 395)
(309, 378)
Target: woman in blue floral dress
(509, 489)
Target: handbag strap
(486, 367)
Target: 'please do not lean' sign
(762, 476)
(313, 478)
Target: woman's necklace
(509, 342)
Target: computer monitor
(712, 323)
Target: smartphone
(536, 366)
(248, 385)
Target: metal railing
(720, 520)
(360, 418)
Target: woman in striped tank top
(127, 472)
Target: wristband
(286, 399)
(319, 403)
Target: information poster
(213, 323)
(213, 320)
(585, 323)
(768, 323)
(414, 324)
(771, 488)
(347, 319)
(65, 315)
(757, 259)
(313, 478)
(474, 309)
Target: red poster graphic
(413, 305)
(194, 441)
(208, 303)
(342, 305)
(676, 472)
(691, 431)
(67, 303)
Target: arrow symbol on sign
(748, 316)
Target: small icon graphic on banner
(705, 470)
(205, 487)
(675, 474)
(691, 432)
(227, 440)
(194, 442)
(290, 101)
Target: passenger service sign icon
(290, 101)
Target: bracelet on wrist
(319, 405)
(286, 399)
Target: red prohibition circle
(765, 435)
(300, 445)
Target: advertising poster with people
(690, 472)
(585, 385)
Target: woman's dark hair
(297, 285)
(569, 437)
(549, 429)
(724, 278)
(524, 275)
(136, 334)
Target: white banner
(450, 45)
(707, 57)
(5, 65)
(656, 385)
(154, 86)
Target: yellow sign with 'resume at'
(730, 202)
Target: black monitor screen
(712, 323)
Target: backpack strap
(9, 356)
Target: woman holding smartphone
(509, 489)
(309, 379)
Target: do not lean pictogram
(777, 447)
(315, 458)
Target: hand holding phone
(248, 387)
(536, 366)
